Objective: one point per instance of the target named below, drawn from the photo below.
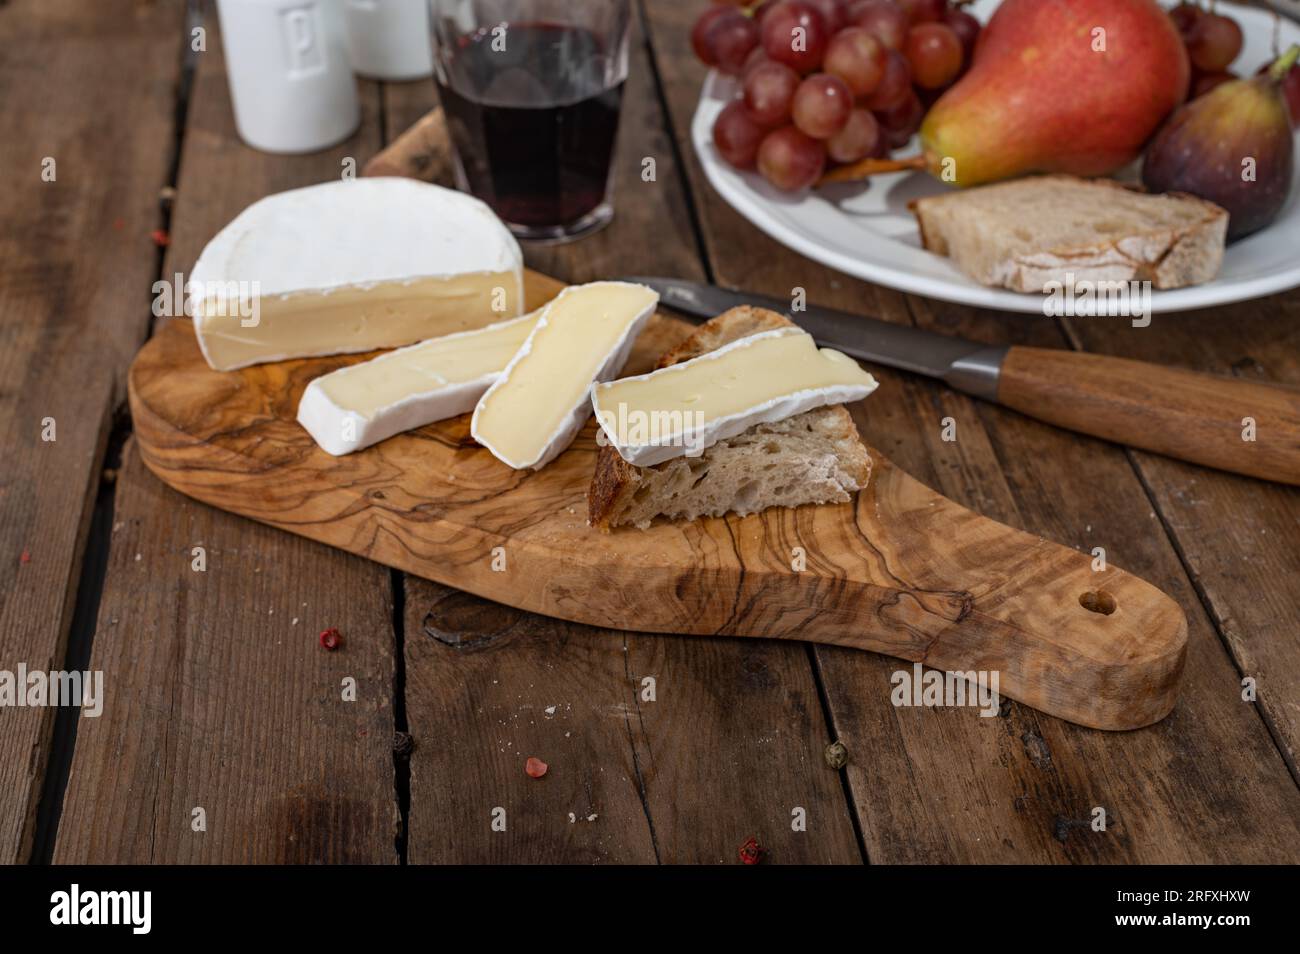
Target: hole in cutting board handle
(1098, 601)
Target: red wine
(533, 123)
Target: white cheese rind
(327, 421)
(567, 428)
(373, 247)
(692, 441)
(324, 420)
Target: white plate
(868, 233)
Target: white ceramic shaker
(291, 81)
(389, 39)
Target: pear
(1232, 146)
(1055, 86)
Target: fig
(1232, 146)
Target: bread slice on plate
(1029, 232)
(811, 458)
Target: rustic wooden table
(218, 696)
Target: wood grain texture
(1173, 411)
(945, 785)
(77, 261)
(1237, 537)
(902, 570)
(723, 742)
(220, 697)
(218, 693)
(731, 743)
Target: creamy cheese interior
(580, 329)
(354, 319)
(427, 367)
(729, 382)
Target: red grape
(769, 88)
(732, 39)
(755, 59)
(857, 57)
(923, 11)
(895, 83)
(737, 136)
(790, 160)
(861, 137)
(700, 41)
(902, 122)
(834, 13)
(965, 26)
(762, 10)
(935, 55)
(794, 34)
(884, 18)
(1214, 42)
(1185, 16)
(821, 105)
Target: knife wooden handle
(1202, 418)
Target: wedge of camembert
(351, 266)
(683, 409)
(542, 399)
(363, 404)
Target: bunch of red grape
(829, 81)
(1213, 42)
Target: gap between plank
(401, 728)
(631, 741)
(697, 229)
(81, 637)
(95, 552)
(814, 663)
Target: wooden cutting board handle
(1242, 426)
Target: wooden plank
(219, 694)
(1206, 784)
(77, 261)
(1238, 537)
(732, 744)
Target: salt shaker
(291, 81)
(389, 39)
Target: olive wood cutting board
(901, 570)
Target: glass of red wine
(531, 90)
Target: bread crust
(615, 481)
(1172, 257)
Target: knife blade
(966, 365)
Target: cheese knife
(1245, 427)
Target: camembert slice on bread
(1029, 232)
(351, 266)
(759, 379)
(811, 458)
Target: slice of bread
(811, 458)
(1028, 232)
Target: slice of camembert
(363, 404)
(540, 402)
(351, 266)
(683, 409)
